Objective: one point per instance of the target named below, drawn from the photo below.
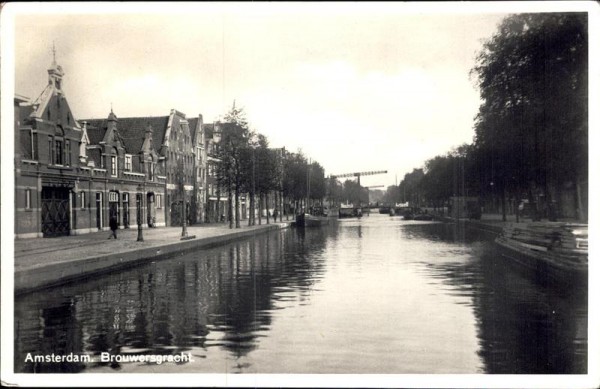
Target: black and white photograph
(300, 194)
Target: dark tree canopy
(532, 124)
(531, 131)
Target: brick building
(171, 149)
(68, 178)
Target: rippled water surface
(375, 295)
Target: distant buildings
(72, 175)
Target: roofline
(129, 117)
(21, 98)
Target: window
(58, 154)
(67, 152)
(50, 151)
(27, 198)
(127, 162)
(113, 197)
(151, 169)
(34, 146)
(158, 201)
(82, 198)
(113, 165)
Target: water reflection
(222, 299)
(377, 295)
(523, 326)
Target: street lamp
(140, 237)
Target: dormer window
(113, 163)
(127, 162)
(151, 170)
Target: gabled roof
(94, 154)
(208, 129)
(132, 131)
(193, 123)
(95, 133)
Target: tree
(231, 153)
(532, 125)
(318, 184)
(267, 177)
(411, 187)
(294, 180)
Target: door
(99, 221)
(113, 205)
(125, 210)
(176, 213)
(55, 212)
(150, 210)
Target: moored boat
(423, 217)
(556, 251)
(308, 220)
(384, 210)
(348, 210)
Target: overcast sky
(357, 87)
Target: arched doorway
(55, 211)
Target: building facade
(170, 150)
(68, 181)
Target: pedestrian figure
(113, 226)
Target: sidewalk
(43, 262)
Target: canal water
(371, 295)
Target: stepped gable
(132, 131)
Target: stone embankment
(44, 262)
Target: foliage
(532, 124)
(531, 131)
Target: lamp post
(140, 237)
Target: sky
(355, 86)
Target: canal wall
(47, 274)
(492, 227)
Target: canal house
(216, 199)
(165, 149)
(134, 173)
